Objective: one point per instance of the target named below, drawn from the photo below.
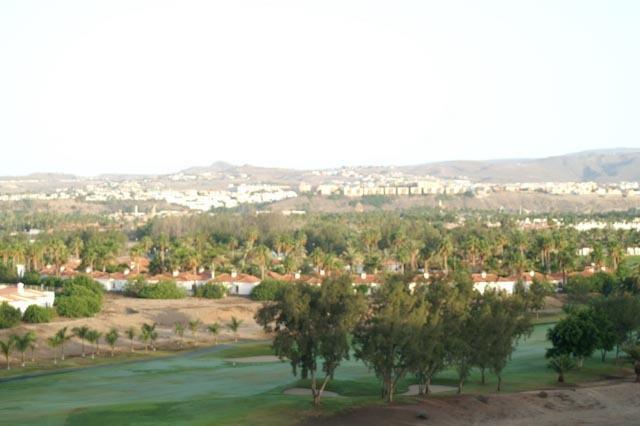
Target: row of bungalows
(484, 281)
(117, 281)
(238, 284)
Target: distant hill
(599, 166)
(218, 166)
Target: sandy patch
(123, 312)
(250, 359)
(413, 389)
(307, 392)
(599, 405)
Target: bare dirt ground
(124, 312)
(597, 404)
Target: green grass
(201, 388)
(75, 362)
(243, 350)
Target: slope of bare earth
(610, 404)
(509, 201)
(124, 312)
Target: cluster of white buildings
(244, 194)
(427, 186)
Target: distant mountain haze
(608, 165)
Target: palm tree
(214, 329)
(148, 333)
(153, 336)
(6, 347)
(178, 328)
(32, 347)
(261, 256)
(233, 326)
(131, 334)
(23, 343)
(93, 336)
(193, 327)
(112, 337)
(317, 258)
(81, 333)
(54, 342)
(561, 364)
(445, 249)
(64, 337)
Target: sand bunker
(307, 392)
(413, 389)
(251, 359)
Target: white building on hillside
(21, 298)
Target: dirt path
(611, 404)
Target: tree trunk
(390, 392)
(604, 354)
(23, 360)
(460, 386)
(561, 377)
(636, 368)
(499, 382)
(482, 378)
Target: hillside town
(230, 190)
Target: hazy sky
(155, 86)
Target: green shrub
(268, 289)
(165, 289)
(81, 296)
(37, 314)
(211, 291)
(134, 286)
(31, 278)
(9, 316)
(53, 282)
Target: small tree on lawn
(538, 291)
(234, 326)
(214, 329)
(312, 326)
(384, 340)
(148, 334)
(7, 347)
(193, 327)
(575, 335)
(633, 352)
(561, 364)
(111, 338)
(64, 337)
(178, 328)
(131, 335)
(24, 343)
(54, 342)
(93, 336)
(81, 333)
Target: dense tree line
(258, 243)
(397, 332)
